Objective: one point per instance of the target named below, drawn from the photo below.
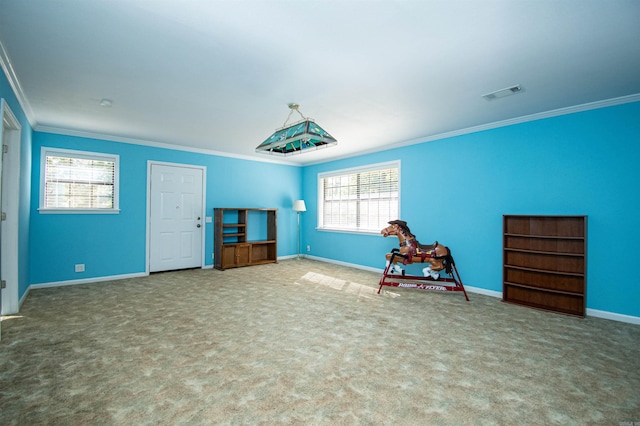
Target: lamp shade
(302, 136)
(299, 206)
(305, 135)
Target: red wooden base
(452, 283)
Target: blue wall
(111, 245)
(456, 190)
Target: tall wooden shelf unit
(544, 262)
(231, 247)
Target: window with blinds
(78, 181)
(362, 199)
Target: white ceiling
(218, 75)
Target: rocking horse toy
(411, 251)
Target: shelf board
(231, 243)
(544, 271)
(551, 253)
(544, 290)
(550, 237)
(542, 307)
(263, 261)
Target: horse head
(398, 228)
(389, 230)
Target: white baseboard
(613, 316)
(293, 256)
(337, 262)
(86, 281)
(483, 291)
(498, 294)
(23, 298)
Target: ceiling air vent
(503, 92)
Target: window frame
(350, 171)
(85, 155)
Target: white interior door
(175, 217)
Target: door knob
(198, 225)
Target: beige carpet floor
(306, 343)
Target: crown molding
(497, 124)
(11, 75)
(527, 118)
(153, 144)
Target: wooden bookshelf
(544, 262)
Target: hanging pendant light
(302, 136)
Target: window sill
(78, 211)
(349, 231)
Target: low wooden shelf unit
(232, 248)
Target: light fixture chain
(298, 111)
(293, 107)
(288, 117)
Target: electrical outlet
(308, 248)
(80, 267)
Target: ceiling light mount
(508, 91)
(302, 136)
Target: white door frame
(10, 135)
(204, 207)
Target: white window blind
(361, 200)
(75, 180)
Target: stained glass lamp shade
(305, 135)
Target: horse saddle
(428, 247)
